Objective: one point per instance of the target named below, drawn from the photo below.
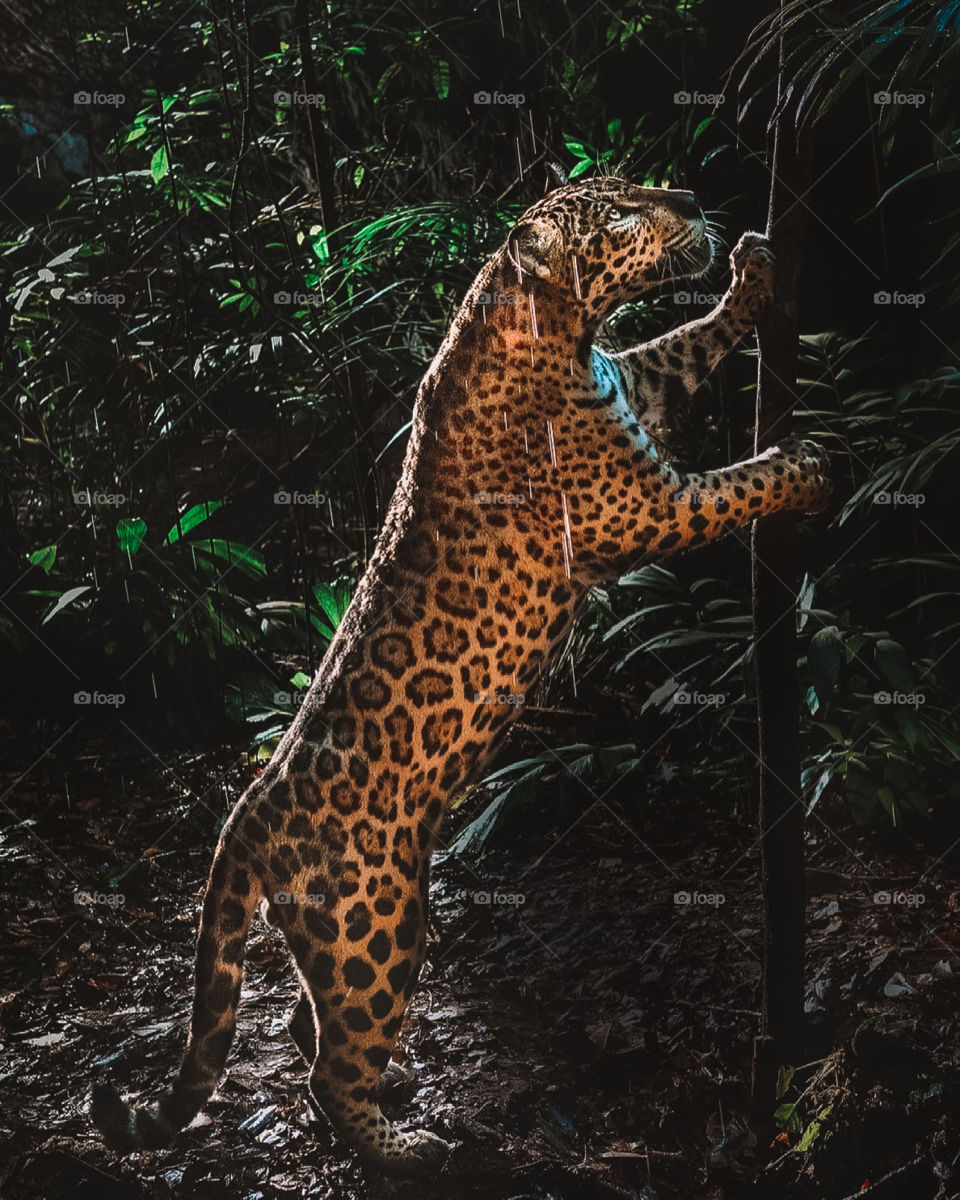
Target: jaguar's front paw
(808, 477)
(751, 261)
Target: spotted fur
(530, 475)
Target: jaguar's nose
(685, 204)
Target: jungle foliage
(214, 330)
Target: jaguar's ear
(536, 246)
(557, 174)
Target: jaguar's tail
(228, 907)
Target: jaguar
(534, 471)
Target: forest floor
(582, 1036)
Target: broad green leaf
(159, 166)
(44, 559)
(894, 665)
(824, 658)
(812, 1132)
(192, 518)
(130, 531)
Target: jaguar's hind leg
(361, 990)
(302, 1026)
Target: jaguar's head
(605, 241)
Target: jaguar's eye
(614, 214)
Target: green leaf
(441, 78)
(334, 600)
(44, 559)
(300, 680)
(168, 103)
(192, 518)
(784, 1079)
(321, 247)
(247, 560)
(824, 657)
(813, 1130)
(894, 665)
(130, 531)
(159, 166)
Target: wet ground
(580, 1032)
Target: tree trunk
(774, 631)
